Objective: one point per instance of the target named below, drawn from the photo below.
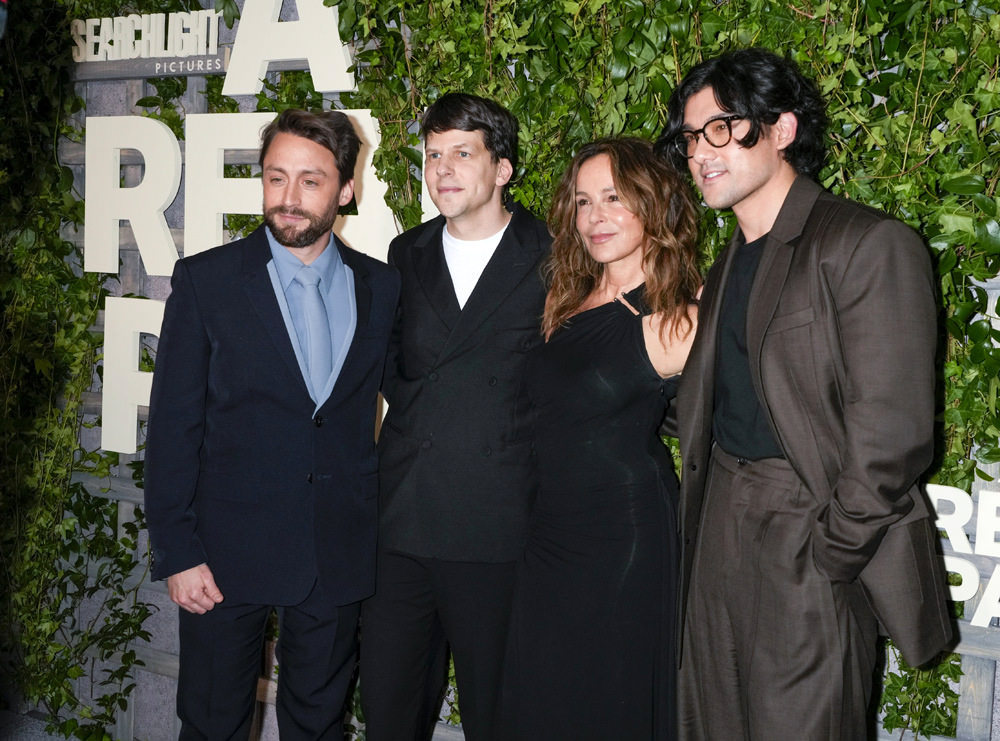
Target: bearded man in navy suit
(261, 469)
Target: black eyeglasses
(718, 132)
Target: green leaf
(965, 185)
(979, 331)
(947, 261)
(620, 66)
(679, 24)
(988, 236)
(985, 204)
(415, 157)
(230, 11)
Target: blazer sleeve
(391, 368)
(886, 324)
(176, 430)
(668, 425)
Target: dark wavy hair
(662, 200)
(759, 86)
(332, 130)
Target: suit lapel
(696, 395)
(773, 271)
(515, 257)
(431, 271)
(363, 303)
(362, 289)
(505, 270)
(260, 291)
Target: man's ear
(346, 192)
(785, 129)
(505, 171)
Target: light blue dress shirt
(337, 288)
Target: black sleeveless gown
(591, 652)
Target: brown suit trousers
(773, 649)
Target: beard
(290, 236)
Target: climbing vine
(914, 97)
(69, 612)
(914, 93)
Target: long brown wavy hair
(662, 201)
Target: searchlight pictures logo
(152, 45)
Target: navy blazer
(457, 474)
(239, 473)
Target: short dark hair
(330, 129)
(466, 112)
(757, 85)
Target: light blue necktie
(318, 349)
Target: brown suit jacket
(841, 331)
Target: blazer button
(487, 451)
(693, 467)
(318, 421)
(309, 478)
(493, 380)
(432, 376)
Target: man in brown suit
(805, 417)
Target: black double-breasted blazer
(240, 474)
(456, 470)
(841, 333)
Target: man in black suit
(260, 461)
(455, 470)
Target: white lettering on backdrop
(208, 195)
(954, 509)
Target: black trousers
(421, 607)
(772, 648)
(220, 662)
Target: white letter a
(261, 38)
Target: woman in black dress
(592, 634)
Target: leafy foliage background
(915, 107)
(68, 605)
(914, 100)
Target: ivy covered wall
(68, 606)
(914, 93)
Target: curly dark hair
(757, 85)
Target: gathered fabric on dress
(591, 646)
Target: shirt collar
(328, 263)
